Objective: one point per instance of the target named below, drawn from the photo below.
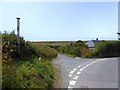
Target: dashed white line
(90, 64)
(72, 72)
(85, 65)
(70, 75)
(76, 77)
(81, 69)
(72, 82)
(78, 66)
(69, 87)
(75, 69)
(78, 72)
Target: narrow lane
(101, 74)
(91, 73)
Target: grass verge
(57, 76)
(28, 74)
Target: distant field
(61, 43)
(54, 43)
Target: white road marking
(72, 72)
(75, 69)
(81, 69)
(76, 77)
(78, 72)
(70, 75)
(72, 82)
(78, 66)
(87, 65)
(84, 67)
(69, 87)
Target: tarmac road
(88, 73)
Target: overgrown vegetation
(43, 51)
(28, 74)
(102, 50)
(71, 49)
(24, 69)
(108, 49)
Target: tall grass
(43, 51)
(28, 74)
(24, 69)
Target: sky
(58, 21)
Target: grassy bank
(24, 69)
(28, 74)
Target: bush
(27, 50)
(108, 49)
(86, 52)
(28, 74)
(72, 49)
(24, 70)
(10, 47)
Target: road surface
(88, 73)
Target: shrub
(72, 49)
(28, 74)
(10, 47)
(27, 50)
(108, 49)
(24, 70)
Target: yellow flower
(11, 50)
(6, 46)
(4, 60)
(5, 56)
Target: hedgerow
(108, 49)
(24, 69)
(71, 49)
(103, 49)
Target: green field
(54, 43)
